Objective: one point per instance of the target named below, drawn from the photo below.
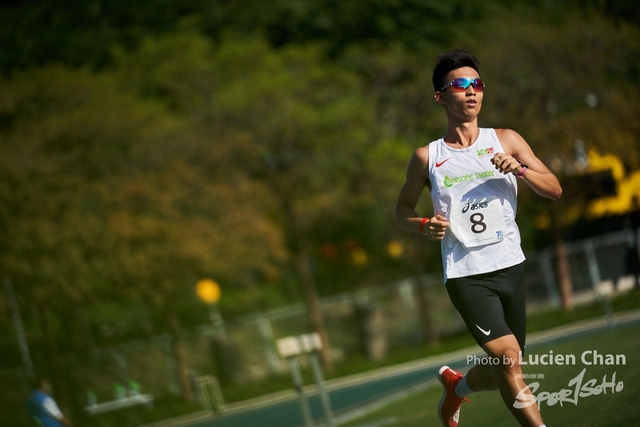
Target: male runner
(472, 174)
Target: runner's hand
(505, 163)
(437, 226)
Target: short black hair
(450, 61)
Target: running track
(349, 396)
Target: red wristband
(422, 223)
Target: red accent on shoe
(449, 407)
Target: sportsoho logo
(578, 387)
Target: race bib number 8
(478, 222)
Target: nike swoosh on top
(441, 163)
(483, 331)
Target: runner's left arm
(518, 153)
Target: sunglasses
(461, 84)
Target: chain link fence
(373, 321)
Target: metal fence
(598, 267)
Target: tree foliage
(85, 161)
(83, 32)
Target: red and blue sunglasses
(461, 84)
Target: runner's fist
(505, 163)
(437, 227)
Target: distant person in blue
(41, 407)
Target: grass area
(353, 365)
(592, 409)
(415, 408)
(537, 321)
(163, 408)
(549, 318)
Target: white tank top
(480, 204)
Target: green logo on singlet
(450, 182)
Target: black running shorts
(491, 304)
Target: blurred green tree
(82, 33)
(105, 196)
(302, 127)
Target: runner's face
(463, 105)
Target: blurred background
(146, 146)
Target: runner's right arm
(417, 178)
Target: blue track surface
(288, 414)
(349, 397)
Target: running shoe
(449, 407)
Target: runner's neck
(463, 135)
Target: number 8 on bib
(478, 222)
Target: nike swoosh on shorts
(483, 331)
